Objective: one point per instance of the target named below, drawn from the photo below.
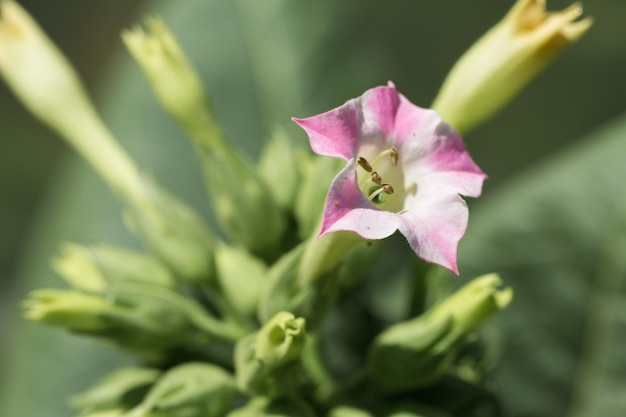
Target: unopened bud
(92, 268)
(419, 351)
(192, 389)
(243, 203)
(504, 60)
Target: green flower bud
(472, 304)
(122, 389)
(92, 268)
(280, 340)
(267, 362)
(141, 320)
(242, 201)
(240, 276)
(504, 60)
(280, 407)
(278, 165)
(419, 351)
(47, 84)
(192, 389)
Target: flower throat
(376, 181)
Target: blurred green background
(263, 62)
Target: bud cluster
(246, 325)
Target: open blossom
(406, 170)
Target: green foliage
(558, 235)
(526, 234)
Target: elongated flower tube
(406, 170)
(45, 82)
(242, 201)
(504, 60)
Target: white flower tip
(531, 16)
(14, 24)
(575, 30)
(153, 46)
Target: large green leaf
(558, 236)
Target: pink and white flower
(406, 170)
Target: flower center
(381, 179)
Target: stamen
(375, 196)
(387, 188)
(376, 178)
(364, 164)
(394, 156)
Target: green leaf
(557, 235)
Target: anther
(364, 164)
(394, 156)
(387, 188)
(376, 178)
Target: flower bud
(280, 340)
(92, 268)
(139, 320)
(419, 351)
(45, 82)
(241, 277)
(267, 362)
(504, 60)
(283, 176)
(49, 87)
(192, 389)
(242, 201)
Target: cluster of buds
(216, 319)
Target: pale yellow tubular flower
(43, 79)
(174, 80)
(243, 202)
(504, 60)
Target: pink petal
(415, 124)
(450, 154)
(379, 106)
(434, 146)
(347, 209)
(337, 132)
(435, 218)
(368, 119)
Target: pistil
(380, 162)
(386, 188)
